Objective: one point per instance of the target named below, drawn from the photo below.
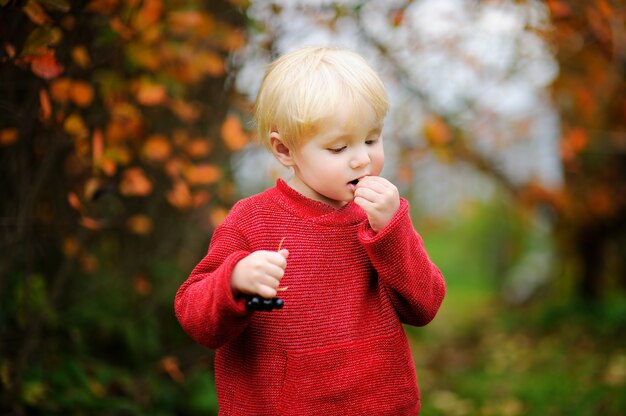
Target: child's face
(345, 148)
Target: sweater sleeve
(411, 279)
(204, 304)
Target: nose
(360, 158)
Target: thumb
(284, 252)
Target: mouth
(354, 182)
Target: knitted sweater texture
(338, 346)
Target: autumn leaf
(80, 56)
(203, 174)
(45, 108)
(182, 22)
(217, 216)
(209, 63)
(60, 89)
(46, 65)
(139, 224)
(198, 148)
(436, 131)
(170, 365)
(36, 13)
(559, 9)
(81, 93)
(71, 246)
(56, 5)
(75, 126)
(8, 136)
(179, 196)
(104, 7)
(148, 15)
(157, 148)
(184, 110)
(39, 40)
(142, 285)
(135, 183)
(150, 94)
(233, 134)
(97, 147)
(91, 223)
(75, 202)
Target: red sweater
(337, 347)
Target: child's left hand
(379, 198)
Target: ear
(280, 150)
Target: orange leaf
(397, 17)
(210, 63)
(142, 285)
(577, 139)
(35, 13)
(135, 183)
(148, 15)
(169, 364)
(139, 224)
(559, 9)
(46, 65)
(10, 50)
(157, 148)
(60, 89)
(81, 93)
(44, 104)
(104, 7)
(180, 196)
(8, 136)
(75, 202)
(202, 174)
(201, 198)
(71, 246)
(184, 110)
(149, 93)
(91, 223)
(198, 148)
(97, 146)
(233, 133)
(75, 126)
(174, 167)
(81, 56)
(217, 216)
(436, 131)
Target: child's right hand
(259, 273)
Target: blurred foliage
(485, 356)
(116, 129)
(589, 40)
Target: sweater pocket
(370, 377)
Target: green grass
(482, 356)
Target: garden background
(125, 137)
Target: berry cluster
(257, 303)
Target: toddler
(335, 242)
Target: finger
(375, 183)
(274, 271)
(266, 291)
(284, 252)
(367, 193)
(365, 204)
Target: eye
(372, 140)
(336, 150)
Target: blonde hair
(304, 87)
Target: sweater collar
(318, 212)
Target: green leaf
(40, 38)
(58, 5)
